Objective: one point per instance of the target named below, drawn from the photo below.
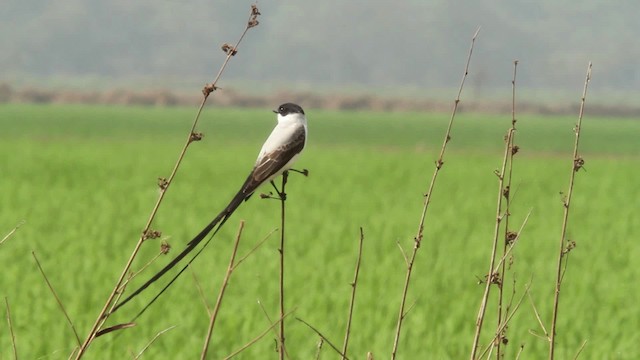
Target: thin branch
(275, 331)
(404, 254)
(319, 351)
(537, 314)
(520, 351)
(584, 343)
(354, 285)
(13, 335)
(344, 356)
(427, 201)
(164, 186)
(492, 277)
(223, 287)
(506, 193)
(201, 292)
(164, 250)
(257, 338)
(12, 232)
(242, 259)
(514, 241)
(503, 325)
(66, 315)
(576, 165)
(283, 198)
(152, 341)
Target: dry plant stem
(427, 201)
(283, 198)
(13, 335)
(200, 292)
(152, 341)
(257, 338)
(55, 295)
(520, 351)
(344, 356)
(507, 211)
(537, 314)
(223, 287)
(275, 331)
(584, 343)
(319, 351)
(104, 313)
(504, 323)
(354, 286)
(576, 164)
(496, 234)
(12, 232)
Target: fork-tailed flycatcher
(277, 155)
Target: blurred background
(408, 49)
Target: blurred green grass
(83, 177)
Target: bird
(278, 153)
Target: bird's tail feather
(217, 221)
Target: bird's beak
(275, 111)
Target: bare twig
(253, 249)
(13, 335)
(283, 198)
(223, 287)
(418, 238)
(354, 285)
(257, 338)
(319, 351)
(201, 292)
(152, 341)
(537, 314)
(520, 351)
(10, 233)
(576, 164)
(344, 356)
(507, 198)
(584, 343)
(503, 325)
(66, 315)
(514, 241)
(164, 250)
(493, 277)
(164, 186)
(275, 331)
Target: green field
(84, 179)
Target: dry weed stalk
(223, 287)
(200, 291)
(152, 341)
(418, 238)
(164, 184)
(354, 286)
(13, 231)
(319, 351)
(566, 246)
(55, 295)
(13, 335)
(507, 211)
(494, 277)
(324, 338)
(257, 338)
(275, 331)
(283, 197)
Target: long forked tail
(216, 223)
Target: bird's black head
(289, 108)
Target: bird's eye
(281, 109)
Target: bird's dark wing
(272, 162)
